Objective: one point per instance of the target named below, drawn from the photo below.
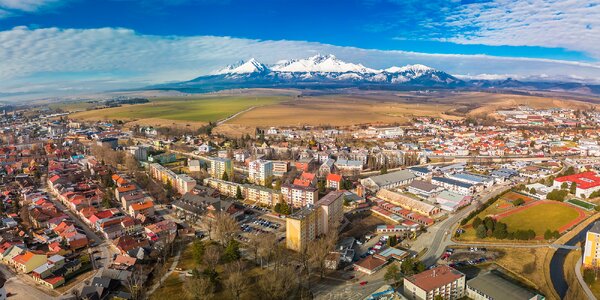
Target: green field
(202, 109)
(541, 217)
(583, 204)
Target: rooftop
(436, 277)
(497, 287)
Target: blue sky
(79, 45)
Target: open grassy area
(528, 266)
(583, 204)
(171, 287)
(541, 217)
(182, 109)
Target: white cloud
(569, 24)
(26, 5)
(111, 58)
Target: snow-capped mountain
(251, 66)
(316, 72)
(319, 63)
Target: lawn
(170, 287)
(202, 109)
(585, 205)
(540, 217)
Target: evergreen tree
(481, 232)
(238, 193)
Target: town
(437, 209)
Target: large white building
(259, 170)
(442, 281)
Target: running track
(561, 229)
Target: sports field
(199, 109)
(542, 215)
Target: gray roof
(595, 228)
(391, 178)
(496, 287)
(423, 186)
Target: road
(557, 263)
(19, 289)
(235, 115)
(443, 231)
(101, 249)
(584, 285)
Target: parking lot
(258, 223)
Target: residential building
(442, 281)
(333, 181)
(299, 196)
(182, 183)
(314, 220)
(262, 195)
(28, 261)
(280, 168)
(219, 166)
(591, 252)
(259, 171)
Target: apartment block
(591, 253)
(299, 196)
(219, 166)
(314, 220)
(259, 170)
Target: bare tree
(265, 249)
(318, 251)
(225, 228)
(236, 282)
(279, 284)
(253, 245)
(135, 284)
(199, 288)
(211, 256)
(131, 164)
(208, 225)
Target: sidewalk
(164, 277)
(586, 288)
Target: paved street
(438, 237)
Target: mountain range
(327, 71)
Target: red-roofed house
(442, 281)
(586, 182)
(334, 181)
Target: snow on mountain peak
(323, 65)
(416, 68)
(320, 63)
(250, 66)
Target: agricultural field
(163, 111)
(244, 110)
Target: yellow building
(301, 228)
(28, 261)
(314, 220)
(219, 166)
(591, 253)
